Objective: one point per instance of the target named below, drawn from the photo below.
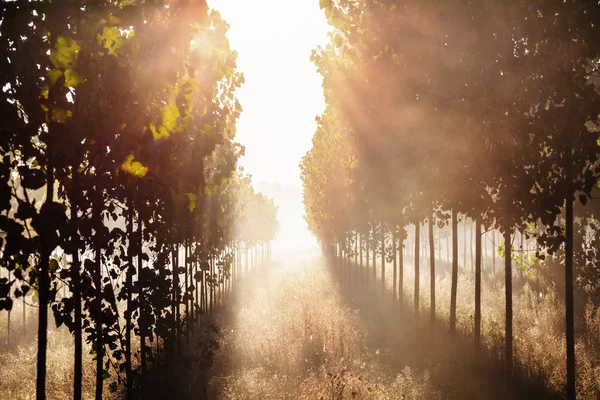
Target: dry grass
(293, 332)
(538, 324)
(18, 362)
(293, 336)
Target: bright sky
(282, 94)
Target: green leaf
(72, 79)
(54, 75)
(64, 55)
(192, 201)
(170, 117)
(134, 168)
(110, 39)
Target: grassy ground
(296, 330)
(18, 366)
(294, 333)
(18, 361)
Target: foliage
(117, 150)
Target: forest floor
(298, 329)
(291, 331)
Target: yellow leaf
(110, 39)
(54, 75)
(160, 133)
(134, 168)
(170, 117)
(59, 115)
(192, 201)
(72, 79)
(65, 53)
(113, 20)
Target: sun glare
(281, 96)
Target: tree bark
(395, 264)
(141, 299)
(508, 344)
(432, 271)
(98, 305)
(494, 249)
(76, 288)
(454, 284)
(417, 273)
(187, 285)
(374, 258)
(401, 270)
(464, 225)
(8, 321)
(129, 311)
(360, 257)
(569, 298)
(477, 332)
(175, 299)
(382, 259)
(471, 245)
(367, 261)
(44, 287)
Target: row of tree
(117, 150)
(436, 111)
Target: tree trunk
(382, 259)
(360, 249)
(417, 273)
(129, 311)
(367, 262)
(569, 300)
(477, 283)
(44, 288)
(521, 272)
(454, 284)
(432, 271)
(374, 258)
(141, 299)
(508, 294)
(395, 265)
(213, 275)
(471, 245)
(175, 306)
(464, 224)
(356, 248)
(494, 250)
(187, 285)
(203, 291)
(9, 313)
(76, 288)
(192, 287)
(484, 252)
(98, 307)
(401, 270)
